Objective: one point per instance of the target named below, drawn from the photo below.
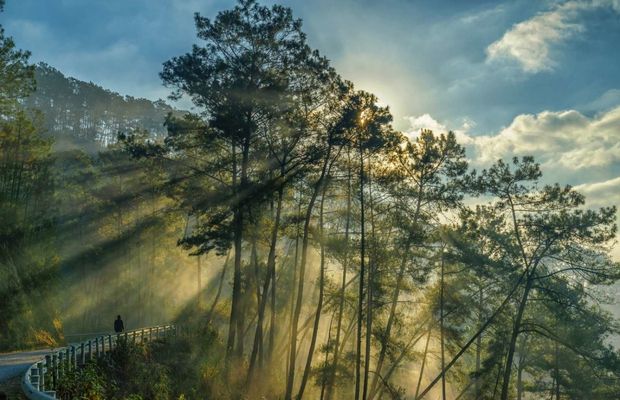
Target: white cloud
(477, 17)
(531, 42)
(571, 147)
(566, 140)
(560, 140)
(603, 194)
(425, 121)
(606, 101)
(607, 192)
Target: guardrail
(41, 379)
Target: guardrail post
(54, 370)
(41, 375)
(150, 334)
(90, 349)
(67, 365)
(34, 377)
(73, 358)
(82, 354)
(126, 337)
(141, 335)
(61, 364)
(110, 343)
(49, 368)
(97, 347)
(41, 372)
(118, 337)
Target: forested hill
(77, 214)
(90, 113)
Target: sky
(510, 78)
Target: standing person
(118, 325)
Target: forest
(309, 249)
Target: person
(118, 325)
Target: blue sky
(419, 56)
(512, 78)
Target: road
(13, 364)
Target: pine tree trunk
(557, 371)
(389, 324)
(479, 343)
(428, 339)
(236, 291)
(345, 263)
(360, 304)
(269, 280)
(369, 287)
(219, 290)
(271, 267)
(294, 277)
(198, 281)
(441, 330)
(395, 296)
(319, 307)
(302, 268)
(513, 338)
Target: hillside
(88, 112)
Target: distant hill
(90, 114)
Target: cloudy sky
(511, 78)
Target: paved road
(13, 364)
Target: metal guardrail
(41, 379)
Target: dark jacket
(118, 326)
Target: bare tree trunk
(499, 375)
(428, 339)
(294, 279)
(479, 343)
(521, 365)
(325, 362)
(219, 290)
(394, 303)
(389, 324)
(443, 357)
(360, 304)
(386, 378)
(302, 269)
(198, 281)
(345, 263)
(271, 267)
(557, 372)
(513, 339)
(369, 286)
(319, 306)
(236, 292)
(270, 279)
